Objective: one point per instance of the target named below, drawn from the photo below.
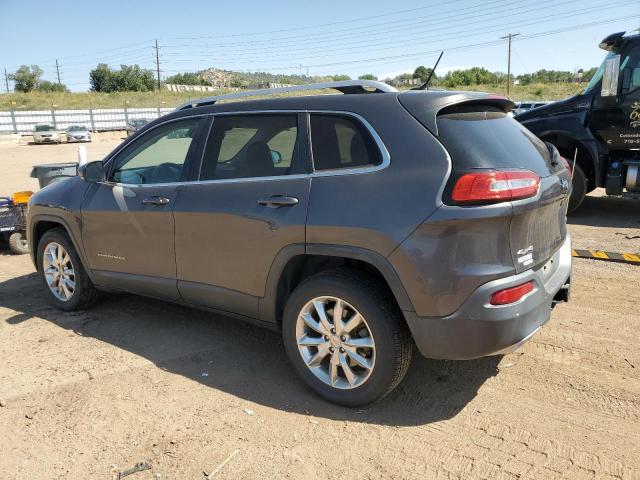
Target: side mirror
(610, 77)
(92, 172)
(276, 157)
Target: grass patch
(68, 101)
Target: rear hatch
(482, 139)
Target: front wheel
(18, 243)
(346, 338)
(66, 283)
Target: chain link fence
(23, 122)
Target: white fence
(95, 119)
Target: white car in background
(45, 133)
(78, 133)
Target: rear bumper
(478, 329)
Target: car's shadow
(613, 212)
(243, 360)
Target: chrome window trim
(386, 157)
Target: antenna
(425, 85)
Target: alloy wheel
(335, 342)
(58, 271)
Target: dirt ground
(90, 394)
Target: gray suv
(359, 225)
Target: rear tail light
(511, 295)
(495, 186)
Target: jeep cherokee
(359, 225)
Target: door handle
(156, 200)
(277, 201)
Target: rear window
(486, 137)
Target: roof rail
(345, 86)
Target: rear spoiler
(425, 105)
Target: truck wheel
(346, 338)
(18, 243)
(67, 285)
(578, 188)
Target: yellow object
(21, 197)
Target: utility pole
(6, 79)
(58, 72)
(158, 63)
(509, 37)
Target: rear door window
(252, 145)
(340, 141)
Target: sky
(321, 38)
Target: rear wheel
(578, 188)
(67, 285)
(346, 338)
(18, 243)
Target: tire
(18, 243)
(578, 188)
(84, 293)
(389, 359)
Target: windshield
(44, 128)
(76, 128)
(598, 75)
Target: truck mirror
(610, 77)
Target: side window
(339, 141)
(248, 146)
(634, 70)
(158, 156)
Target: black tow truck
(599, 128)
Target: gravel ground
(89, 394)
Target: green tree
(130, 78)
(368, 76)
(47, 86)
(101, 78)
(26, 78)
(337, 78)
(422, 73)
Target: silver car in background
(45, 133)
(78, 133)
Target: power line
(329, 50)
(370, 29)
(308, 27)
(479, 44)
(386, 45)
(404, 30)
